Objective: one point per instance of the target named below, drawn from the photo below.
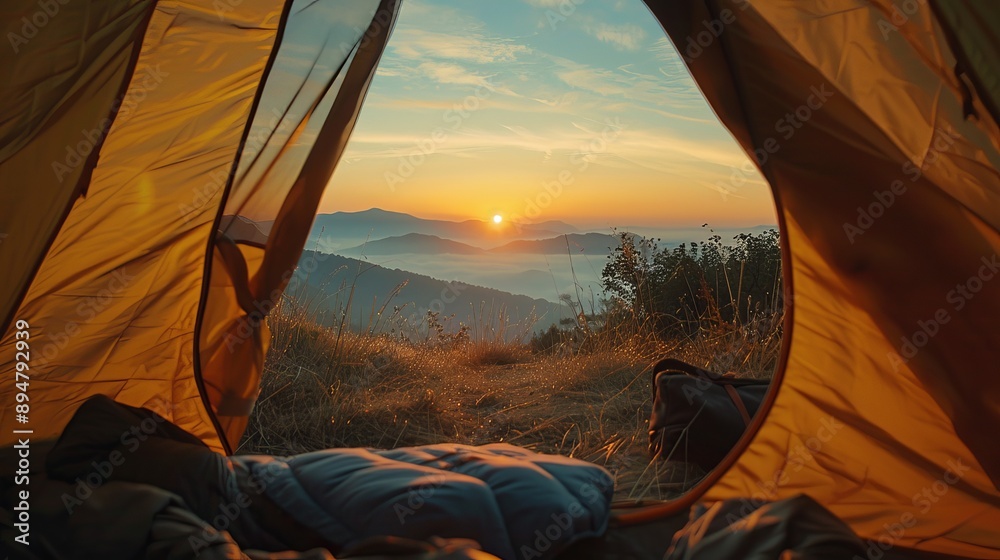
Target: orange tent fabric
(882, 153)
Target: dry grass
(327, 387)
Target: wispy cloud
(626, 83)
(447, 73)
(640, 144)
(450, 73)
(671, 65)
(625, 37)
(456, 45)
(565, 140)
(544, 3)
(669, 155)
(460, 54)
(664, 50)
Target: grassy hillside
(336, 283)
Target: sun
(497, 218)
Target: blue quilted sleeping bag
(515, 503)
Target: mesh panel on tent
(308, 107)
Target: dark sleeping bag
(513, 502)
(797, 528)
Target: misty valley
(530, 275)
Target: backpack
(698, 416)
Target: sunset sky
(515, 108)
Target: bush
(677, 290)
(549, 341)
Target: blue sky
(538, 110)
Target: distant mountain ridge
(589, 243)
(421, 244)
(340, 230)
(412, 244)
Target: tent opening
(523, 222)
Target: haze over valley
(455, 267)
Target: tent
(136, 131)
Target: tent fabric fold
(62, 88)
(297, 166)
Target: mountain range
(340, 230)
(422, 244)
